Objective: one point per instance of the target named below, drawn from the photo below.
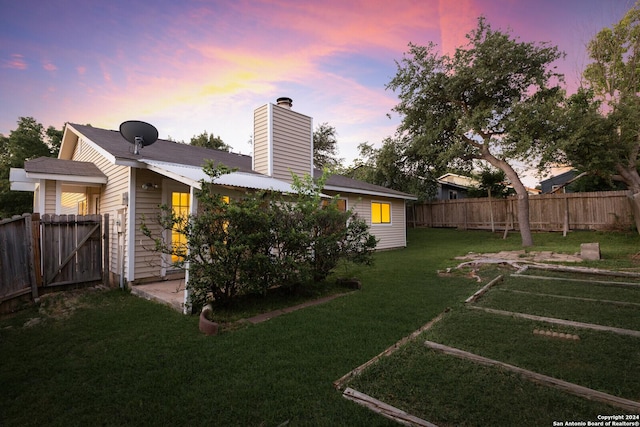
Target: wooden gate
(71, 249)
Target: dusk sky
(195, 65)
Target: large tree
(603, 118)
(325, 147)
(489, 101)
(393, 166)
(28, 141)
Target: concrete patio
(167, 292)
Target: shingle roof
(163, 150)
(51, 165)
(175, 152)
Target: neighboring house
(558, 181)
(97, 172)
(452, 186)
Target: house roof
(53, 166)
(171, 157)
(162, 150)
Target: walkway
(171, 293)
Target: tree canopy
(602, 120)
(209, 141)
(325, 147)
(28, 141)
(490, 101)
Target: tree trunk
(631, 178)
(523, 197)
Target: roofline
(68, 178)
(104, 153)
(369, 192)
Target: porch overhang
(48, 168)
(193, 176)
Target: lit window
(380, 213)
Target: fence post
(30, 256)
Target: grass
(121, 360)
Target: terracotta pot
(205, 325)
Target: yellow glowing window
(180, 208)
(380, 213)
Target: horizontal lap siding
(261, 140)
(147, 262)
(111, 195)
(391, 236)
(292, 144)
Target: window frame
(381, 214)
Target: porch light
(150, 186)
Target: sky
(192, 66)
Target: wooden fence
(18, 258)
(604, 210)
(55, 250)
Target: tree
(393, 166)
(28, 141)
(489, 101)
(209, 141)
(492, 183)
(325, 147)
(603, 118)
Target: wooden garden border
(575, 389)
(606, 301)
(562, 322)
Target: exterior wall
(261, 136)
(147, 263)
(283, 142)
(112, 201)
(292, 144)
(390, 236)
(49, 196)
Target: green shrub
(261, 240)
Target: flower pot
(206, 326)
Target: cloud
(49, 66)
(81, 70)
(16, 62)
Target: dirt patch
(521, 255)
(60, 305)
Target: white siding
(147, 263)
(283, 142)
(261, 140)
(392, 235)
(111, 197)
(292, 144)
(49, 197)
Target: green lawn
(121, 360)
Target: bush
(261, 240)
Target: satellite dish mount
(138, 133)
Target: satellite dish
(138, 133)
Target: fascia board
(104, 153)
(68, 178)
(368, 192)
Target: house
(560, 177)
(98, 171)
(453, 186)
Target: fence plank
(603, 210)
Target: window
(380, 213)
(453, 195)
(180, 207)
(341, 204)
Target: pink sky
(197, 65)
